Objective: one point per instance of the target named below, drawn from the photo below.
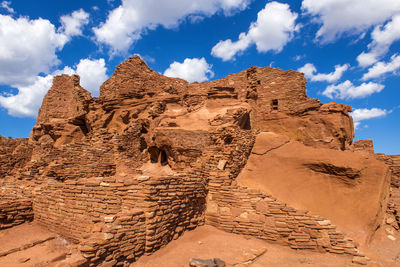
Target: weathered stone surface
(219, 262)
(63, 111)
(124, 174)
(202, 263)
(364, 146)
(360, 260)
(14, 155)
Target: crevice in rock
(327, 168)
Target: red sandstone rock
(124, 174)
(348, 188)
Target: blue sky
(348, 50)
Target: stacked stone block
(119, 220)
(243, 211)
(14, 209)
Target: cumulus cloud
(93, 74)
(382, 38)
(348, 16)
(6, 5)
(274, 28)
(366, 114)
(72, 24)
(129, 21)
(29, 47)
(28, 100)
(382, 68)
(347, 90)
(191, 70)
(310, 72)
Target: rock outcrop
(323, 181)
(123, 174)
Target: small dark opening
(228, 140)
(164, 158)
(154, 154)
(258, 82)
(275, 104)
(143, 130)
(244, 122)
(143, 144)
(84, 129)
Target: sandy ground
(207, 242)
(383, 251)
(22, 236)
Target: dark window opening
(275, 104)
(244, 122)
(163, 158)
(154, 154)
(158, 156)
(228, 140)
(143, 130)
(143, 144)
(258, 82)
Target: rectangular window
(274, 104)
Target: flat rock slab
(24, 235)
(30, 244)
(267, 141)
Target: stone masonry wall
(14, 210)
(239, 210)
(366, 145)
(393, 210)
(119, 219)
(14, 154)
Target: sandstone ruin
(122, 175)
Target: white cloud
(6, 6)
(347, 90)
(92, 73)
(29, 47)
(226, 50)
(309, 71)
(381, 68)
(274, 28)
(191, 70)
(126, 23)
(382, 38)
(366, 114)
(28, 100)
(72, 24)
(298, 57)
(366, 59)
(348, 16)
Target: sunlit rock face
(153, 156)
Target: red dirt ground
(43, 254)
(207, 242)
